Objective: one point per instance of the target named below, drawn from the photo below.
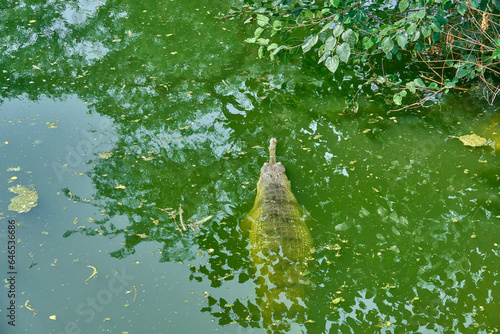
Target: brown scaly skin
(280, 242)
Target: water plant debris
(26, 199)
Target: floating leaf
(106, 155)
(25, 200)
(336, 300)
(472, 140)
(120, 187)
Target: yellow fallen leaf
(52, 317)
(120, 187)
(337, 300)
(14, 178)
(32, 21)
(472, 140)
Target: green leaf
(416, 36)
(421, 14)
(496, 53)
(338, 30)
(419, 46)
(272, 46)
(326, 26)
(309, 42)
(449, 83)
(475, 3)
(367, 42)
(435, 27)
(403, 93)
(261, 51)
(335, 3)
(419, 83)
(250, 40)
(258, 32)
(277, 24)
(332, 63)
(403, 5)
(402, 40)
(398, 99)
(324, 55)
(440, 20)
(412, 28)
(462, 72)
(281, 47)
(426, 30)
(330, 43)
(461, 8)
(262, 20)
(411, 86)
(387, 45)
(262, 41)
(344, 52)
(349, 37)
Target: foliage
(458, 41)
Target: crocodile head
(273, 174)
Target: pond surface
(143, 126)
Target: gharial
(280, 242)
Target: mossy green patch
(25, 200)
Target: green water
(120, 112)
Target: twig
(29, 308)
(135, 295)
(95, 272)
(224, 82)
(172, 214)
(180, 217)
(419, 102)
(177, 228)
(225, 276)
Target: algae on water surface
(25, 200)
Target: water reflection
(406, 221)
